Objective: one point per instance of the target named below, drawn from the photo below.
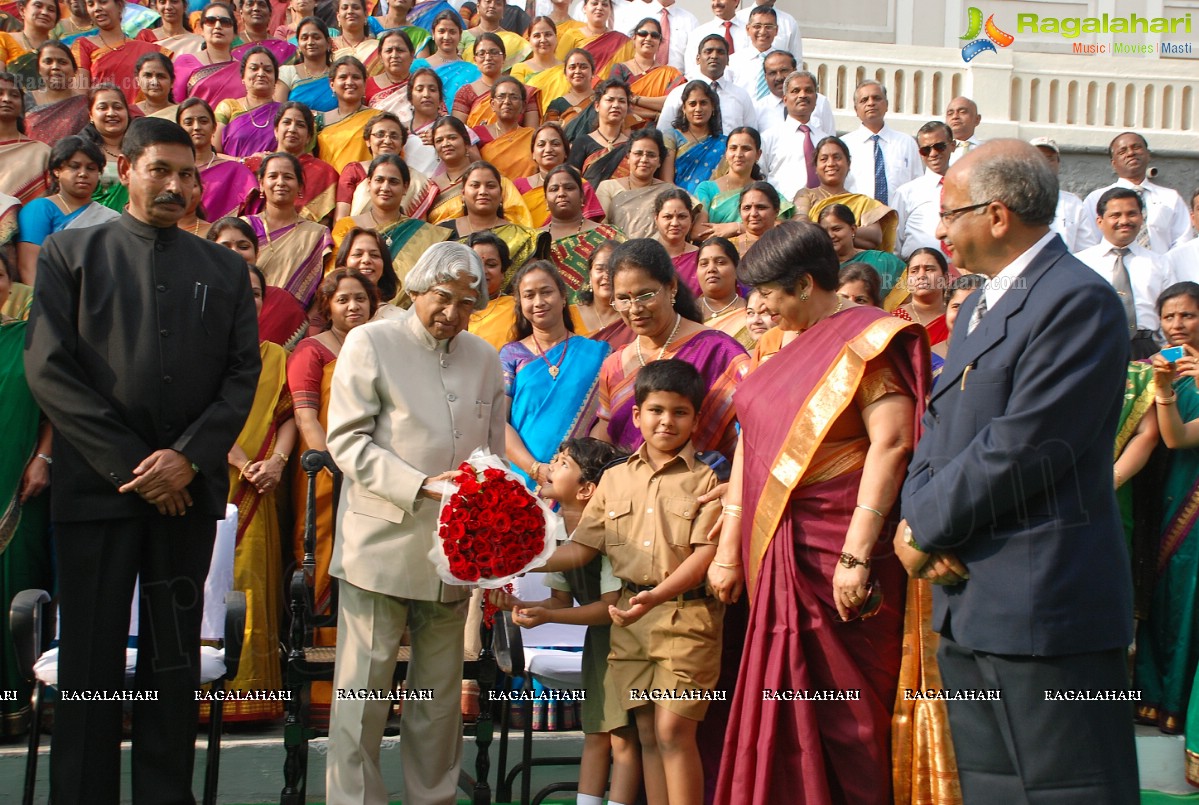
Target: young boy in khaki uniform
(644, 516)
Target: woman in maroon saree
(827, 429)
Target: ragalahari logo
(976, 44)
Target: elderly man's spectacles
(949, 216)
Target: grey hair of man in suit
(446, 262)
(1027, 187)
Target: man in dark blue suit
(1009, 503)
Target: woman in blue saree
(451, 68)
(695, 144)
(306, 79)
(551, 375)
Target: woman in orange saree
(649, 81)
(346, 299)
(827, 427)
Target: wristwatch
(911, 540)
(49, 461)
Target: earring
(672, 298)
(803, 297)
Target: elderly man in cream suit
(412, 396)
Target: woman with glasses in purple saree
(827, 427)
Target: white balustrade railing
(1079, 100)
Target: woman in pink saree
(828, 425)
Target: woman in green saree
(24, 504)
(574, 238)
(109, 122)
(1168, 643)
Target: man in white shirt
(789, 149)
(736, 107)
(1167, 223)
(1071, 212)
(1183, 259)
(676, 23)
(963, 119)
(918, 202)
(747, 65)
(1137, 274)
(787, 37)
(724, 23)
(772, 111)
(881, 159)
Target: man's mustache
(170, 198)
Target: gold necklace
(67, 204)
(553, 368)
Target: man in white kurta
(412, 397)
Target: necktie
(980, 310)
(728, 35)
(664, 46)
(809, 155)
(964, 145)
(1122, 282)
(1143, 232)
(880, 172)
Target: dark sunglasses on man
(940, 147)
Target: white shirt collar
(998, 285)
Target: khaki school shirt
(645, 520)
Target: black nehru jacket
(140, 339)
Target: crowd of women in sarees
(409, 126)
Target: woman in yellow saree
(407, 238)
(608, 47)
(495, 323)
(340, 140)
(543, 70)
(482, 196)
(876, 221)
(504, 142)
(649, 81)
(257, 464)
(550, 149)
(451, 139)
(346, 300)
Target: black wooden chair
(32, 620)
(307, 663)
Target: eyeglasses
(871, 607)
(487, 54)
(385, 135)
(641, 300)
(225, 22)
(762, 26)
(508, 97)
(940, 147)
(949, 216)
(651, 34)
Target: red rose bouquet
(491, 527)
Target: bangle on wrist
(281, 456)
(1119, 479)
(1173, 398)
(870, 509)
(730, 510)
(46, 458)
(727, 565)
(850, 561)
(240, 473)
